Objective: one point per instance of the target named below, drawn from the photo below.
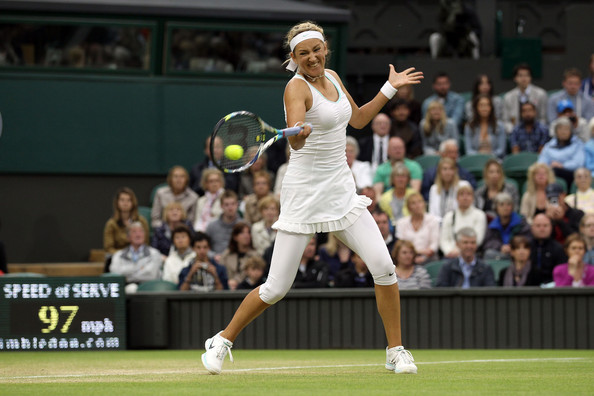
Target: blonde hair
(331, 245)
(173, 169)
(438, 181)
(209, 172)
(300, 28)
(410, 198)
(530, 186)
(429, 123)
(398, 247)
(172, 205)
(267, 201)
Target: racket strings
(240, 130)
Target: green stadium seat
(516, 165)
(427, 161)
(433, 269)
(145, 212)
(497, 266)
(474, 163)
(157, 286)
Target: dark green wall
(120, 125)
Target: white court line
(165, 372)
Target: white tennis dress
(318, 191)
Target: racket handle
(293, 131)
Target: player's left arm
(361, 116)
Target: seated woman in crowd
(436, 128)
(484, 134)
(261, 189)
(240, 249)
(262, 232)
(180, 256)
(361, 169)
(466, 215)
(583, 198)
(494, 183)
(177, 190)
(442, 194)
(208, 206)
(574, 273)
(587, 233)
(125, 212)
(534, 200)
(174, 216)
(503, 228)
(410, 275)
(420, 228)
(246, 181)
(520, 272)
(393, 201)
(484, 86)
(564, 153)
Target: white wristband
(388, 90)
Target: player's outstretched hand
(406, 77)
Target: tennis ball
(234, 152)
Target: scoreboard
(65, 313)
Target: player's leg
(283, 268)
(364, 238)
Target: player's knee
(384, 275)
(272, 292)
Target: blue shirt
(529, 141)
(466, 271)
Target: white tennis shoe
(217, 348)
(400, 361)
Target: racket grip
(294, 130)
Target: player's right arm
(298, 100)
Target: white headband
(308, 34)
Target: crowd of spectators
(216, 231)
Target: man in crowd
(523, 92)
(529, 134)
(545, 251)
(374, 149)
(396, 153)
(584, 106)
(452, 102)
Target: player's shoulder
(333, 74)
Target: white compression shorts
(363, 237)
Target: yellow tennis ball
(234, 152)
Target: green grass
(264, 372)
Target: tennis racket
(240, 138)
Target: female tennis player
(318, 193)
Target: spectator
(176, 190)
(583, 198)
(219, 230)
(587, 87)
(180, 256)
(459, 31)
(208, 206)
(442, 195)
(246, 180)
(452, 102)
(312, 272)
(137, 262)
(407, 93)
(393, 201)
(239, 250)
(436, 128)
(522, 93)
(261, 189)
(521, 271)
(356, 275)
(494, 183)
(584, 106)
(587, 232)
(420, 228)
(565, 219)
(403, 128)
(545, 252)
(231, 179)
(466, 270)
(410, 275)
(125, 212)
(174, 216)
(361, 169)
(534, 200)
(396, 153)
(503, 228)
(466, 215)
(369, 192)
(529, 134)
(254, 268)
(484, 134)
(262, 232)
(589, 148)
(564, 153)
(335, 255)
(484, 86)
(574, 273)
(202, 274)
(447, 149)
(383, 222)
(579, 125)
(374, 149)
